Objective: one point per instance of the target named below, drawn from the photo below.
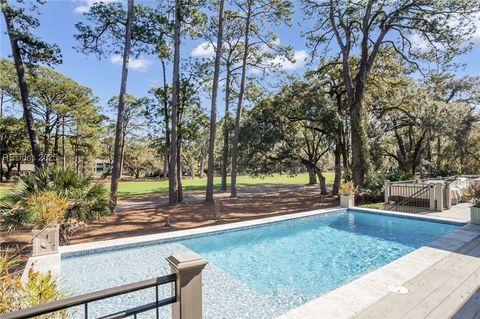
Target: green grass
(139, 188)
(153, 187)
(373, 205)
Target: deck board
(438, 292)
(471, 309)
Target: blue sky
(57, 26)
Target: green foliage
(475, 193)
(293, 128)
(33, 49)
(397, 175)
(192, 121)
(87, 200)
(13, 142)
(134, 117)
(46, 209)
(103, 31)
(63, 111)
(36, 290)
(140, 156)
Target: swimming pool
(262, 271)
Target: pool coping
(343, 302)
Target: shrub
(395, 176)
(347, 188)
(37, 288)
(476, 196)
(467, 194)
(46, 209)
(78, 196)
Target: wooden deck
(448, 289)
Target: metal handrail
(100, 295)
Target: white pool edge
(343, 302)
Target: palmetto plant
(86, 200)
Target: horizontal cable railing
(85, 299)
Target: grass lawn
(373, 205)
(139, 188)
(152, 187)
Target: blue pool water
(279, 266)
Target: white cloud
(203, 50)
(84, 5)
(419, 42)
(140, 64)
(476, 35)
(116, 59)
(300, 58)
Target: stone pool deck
(442, 278)
(459, 212)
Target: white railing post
(188, 267)
(431, 196)
(439, 196)
(386, 186)
(448, 195)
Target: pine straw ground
(151, 219)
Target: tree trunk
(236, 133)
(213, 111)
(167, 120)
(312, 178)
(165, 165)
(64, 159)
(46, 139)
(55, 142)
(179, 173)
(118, 148)
(323, 184)
(8, 173)
(345, 149)
(123, 155)
(226, 133)
(76, 154)
(359, 158)
(22, 84)
(338, 167)
(201, 167)
(439, 154)
(172, 178)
